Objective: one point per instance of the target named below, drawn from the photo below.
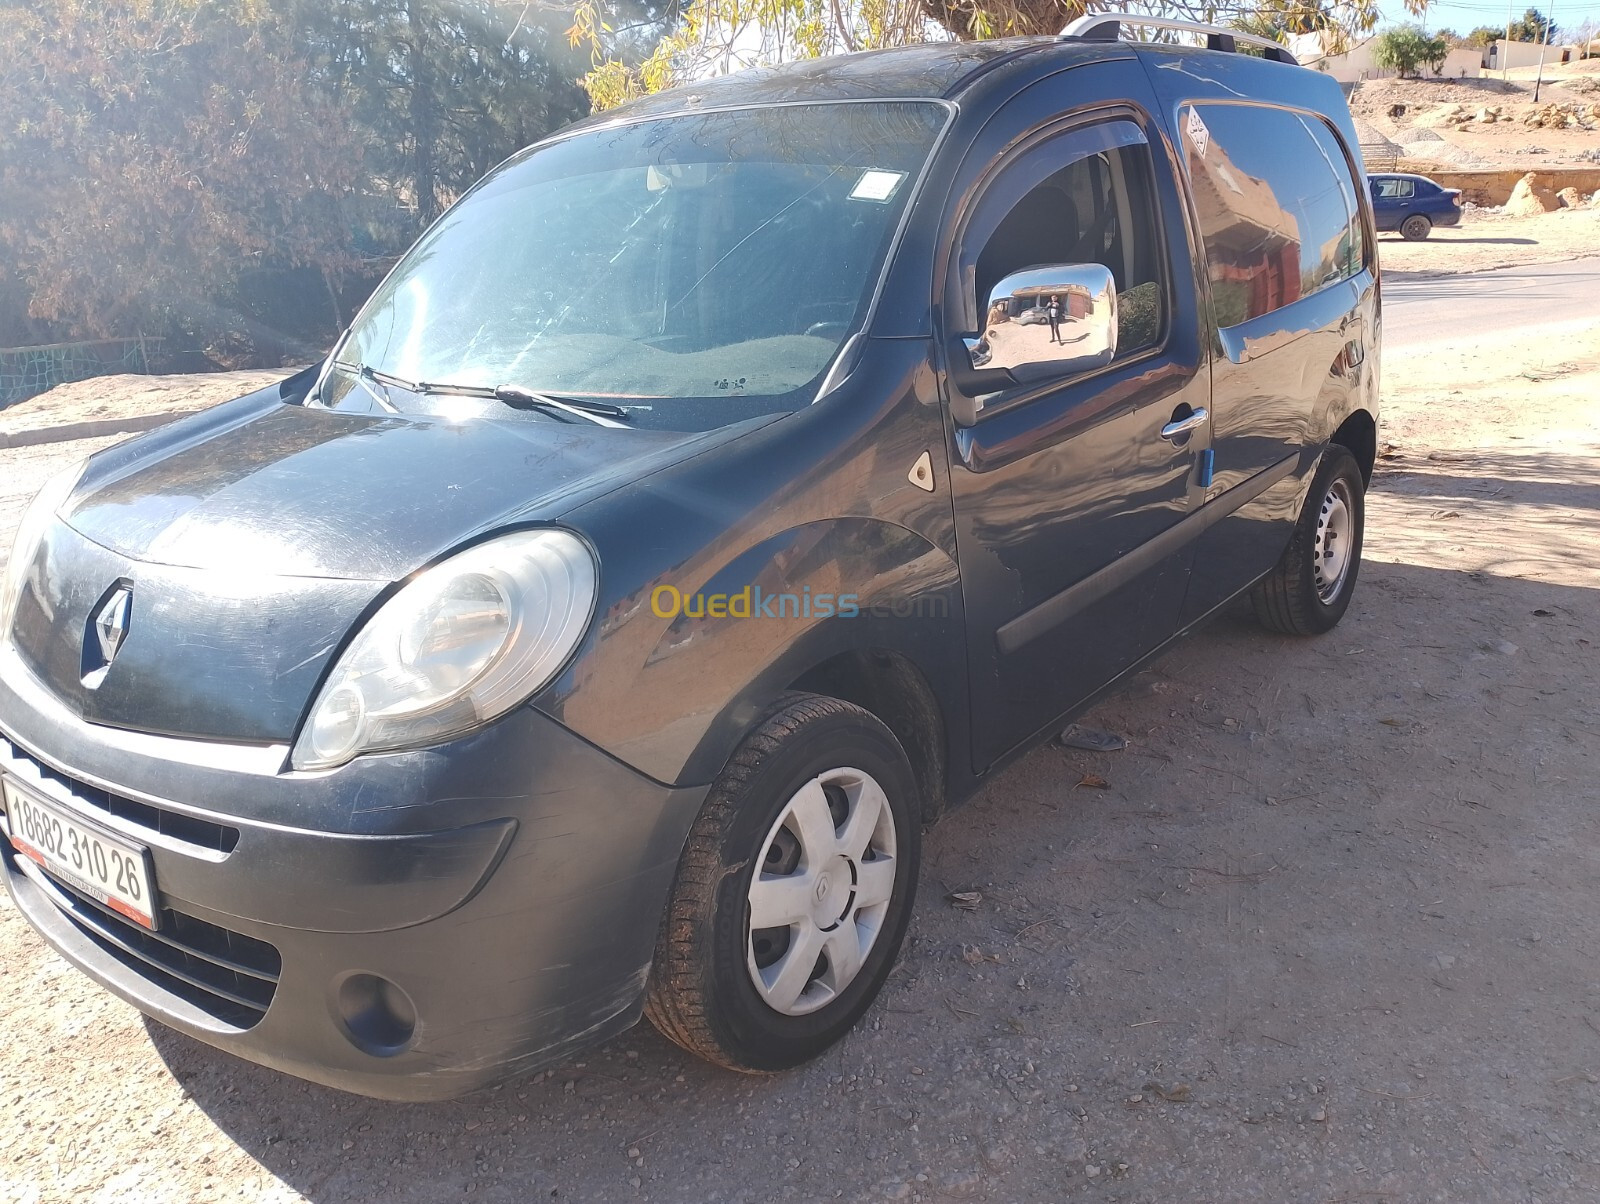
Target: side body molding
(1033, 623)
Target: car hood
(295, 491)
(253, 538)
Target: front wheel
(1415, 228)
(1309, 590)
(793, 892)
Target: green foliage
(1531, 27)
(440, 90)
(175, 166)
(1480, 37)
(1407, 47)
(151, 151)
(712, 36)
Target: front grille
(174, 825)
(227, 975)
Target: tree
(151, 151)
(1531, 28)
(175, 165)
(442, 90)
(1583, 35)
(1406, 47)
(1481, 37)
(714, 36)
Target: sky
(1464, 15)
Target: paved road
(1427, 310)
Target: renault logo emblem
(108, 628)
(111, 622)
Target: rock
(1570, 198)
(1525, 200)
(960, 1183)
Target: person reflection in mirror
(1054, 314)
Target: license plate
(114, 871)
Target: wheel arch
(1358, 434)
(891, 686)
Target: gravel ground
(1326, 931)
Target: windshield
(695, 270)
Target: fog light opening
(378, 1017)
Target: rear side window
(1277, 210)
(1354, 249)
(1395, 189)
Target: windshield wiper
(513, 395)
(365, 376)
(595, 411)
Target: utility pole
(1549, 24)
(1505, 47)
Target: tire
(1415, 228)
(784, 806)
(1309, 590)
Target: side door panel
(1068, 500)
(1279, 223)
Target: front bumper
(503, 891)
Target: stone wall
(1493, 187)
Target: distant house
(1463, 62)
(1503, 55)
(1359, 61)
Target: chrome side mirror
(1049, 321)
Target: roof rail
(1107, 27)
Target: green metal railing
(28, 371)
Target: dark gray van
(718, 493)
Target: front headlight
(25, 544)
(460, 645)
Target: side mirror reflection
(1049, 321)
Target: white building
(1359, 61)
(1505, 55)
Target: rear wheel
(794, 890)
(1415, 228)
(1309, 590)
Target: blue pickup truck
(1413, 205)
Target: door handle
(1179, 427)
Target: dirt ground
(102, 398)
(1329, 932)
(1414, 113)
(1487, 238)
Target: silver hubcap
(821, 891)
(1335, 543)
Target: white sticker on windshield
(876, 185)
